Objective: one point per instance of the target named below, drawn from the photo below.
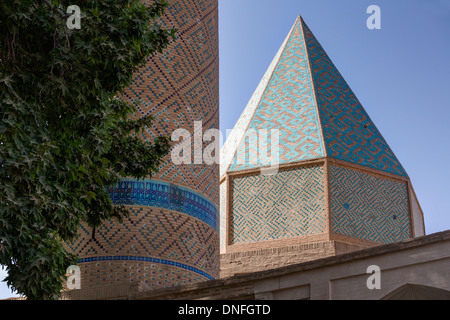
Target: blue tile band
(146, 259)
(165, 195)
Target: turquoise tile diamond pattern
(368, 207)
(287, 105)
(349, 133)
(288, 204)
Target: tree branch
(56, 9)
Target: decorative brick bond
(177, 221)
(149, 237)
(369, 207)
(249, 262)
(288, 204)
(146, 274)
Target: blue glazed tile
(147, 259)
(163, 195)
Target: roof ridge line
(260, 90)
(313, 85)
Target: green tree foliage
(64, 135)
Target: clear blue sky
(401, 75)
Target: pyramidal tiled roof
(317, 115)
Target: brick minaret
(171, 237)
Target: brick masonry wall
(147, 275)
(288, 204)
(271, 258)
(223, 216)
(158, 247)
(171, 237)
(369, 207)
(417, 214)
(422, 261)
(181, 86)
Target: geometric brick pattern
(180, 86)
(287, 105)
(174, 224)
(368, 207)
(285, 205)
(349, 133)
(153, 275)
(146, 259)
(152, 236)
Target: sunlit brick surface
(172, 236)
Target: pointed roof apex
(299, 19)
(305, 98)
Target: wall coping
(305, 266)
